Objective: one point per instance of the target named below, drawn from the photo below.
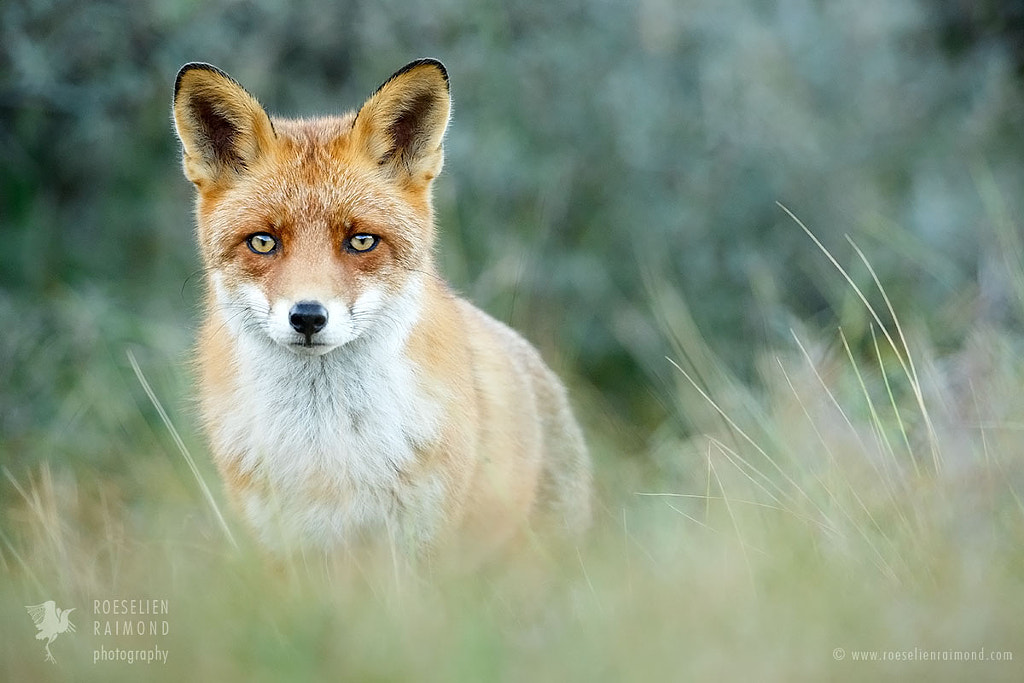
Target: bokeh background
(610, 188)
(595, 146)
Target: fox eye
(362, 242)
(261, 243)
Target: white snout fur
(350, 418)
(246, 309)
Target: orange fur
(409, 413)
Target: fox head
(315, 231)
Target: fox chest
(324, 451)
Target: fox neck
(356, 415)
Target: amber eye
(362, 242)
(261, 243)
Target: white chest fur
(331, 439)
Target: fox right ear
(223, 129)
(402, 125)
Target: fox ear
(402, 125)
(222, 128)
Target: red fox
(347, 392)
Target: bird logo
(51, 621)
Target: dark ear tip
(426, 61)
(429, 61)
(196, 66)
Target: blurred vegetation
(610, 189)
(595, 146)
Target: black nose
(308, 317)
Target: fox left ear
(402, 125)
(223, 129)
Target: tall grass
(865, 496)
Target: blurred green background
(610, 189)
(597, 149)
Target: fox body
(347, 392)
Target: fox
(348, 394)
